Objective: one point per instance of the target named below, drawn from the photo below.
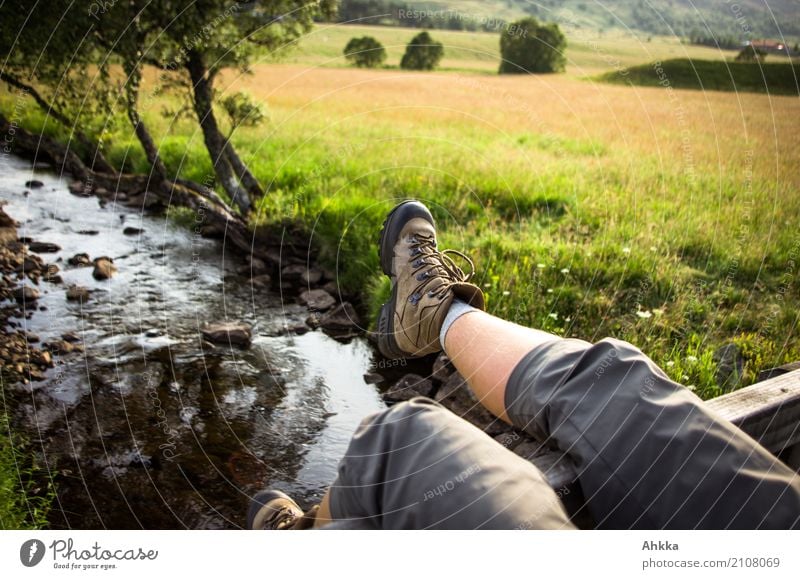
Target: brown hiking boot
(274, 510)
(425, 281)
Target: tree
(365, 52)
(422, 53)
(60, 69)
(527, 46)
(750, 54)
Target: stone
(78, 188)
(132, 231)
(455, 395)
(331, 287)
(25, 293)
(342, 318)
(317, 299)
(237, 334)
(442, 368)
(70, 337)
(312, 321)
(730, 366)
(59, 347)
(262, 281)
(408, 387)
(373, 378)
(79, 260)
(292, 272)
(77, 293)
(43, 247)
(311, 276)
(33, 184)
(88, 232)
(104, 268)
(258, 267)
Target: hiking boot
(425, 281)
(274, 510)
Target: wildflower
(692, 359)
(541, 265)
(626, 250)
(644, 314)
(670, 364)
(653, 248)
(658, 311)
(684, 377)
(553, 315)
(506, 293)
(549, 290)
(565, 271)
(691, 387)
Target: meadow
(665, 217)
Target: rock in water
(26, 294)
(317, 299)
(33, 184)
(43, 247)
(234, 333)
(342, 318)
(80, 260)
(408, 387)
(77, 293)
(104, 268)
(132, 231)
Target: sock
(457, 309)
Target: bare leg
(485, 350)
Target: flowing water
(150, 426)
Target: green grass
(780, 78)
(23, 505)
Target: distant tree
(422, 53)
(528, 46)
(750, 54)
(365, 52)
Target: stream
(150, 427)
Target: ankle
(456, 311)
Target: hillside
(740, 20)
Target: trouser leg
(650, 454)
(418, 466)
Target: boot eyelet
(414, 298)
(423, 276)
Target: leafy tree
(750, 54)
(49, 58)
(528, 46)
(365, 52)
(422, 53)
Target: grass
(779, 78)
(22, 505)
(666, 218)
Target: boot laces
(425, 253)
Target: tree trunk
(96, 158)
(215, 142)
(242, 172)
(132, 105)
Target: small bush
(528, 46)
(750, 54)
(365, 52)
(422, 53)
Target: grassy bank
(22, 505)
(778, 78)
(667, 218)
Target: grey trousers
(650, 455)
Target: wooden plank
(769, 411)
